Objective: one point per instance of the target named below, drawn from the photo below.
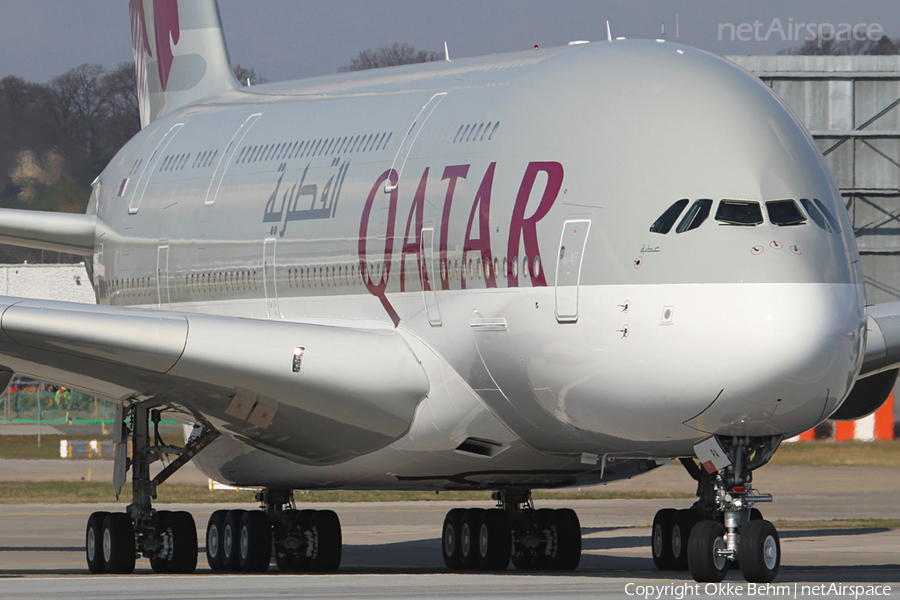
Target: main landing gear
(722, 528)
(113, 541)
(479, 539)
(302, 540)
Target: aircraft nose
(796, 357)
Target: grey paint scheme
(635, 126)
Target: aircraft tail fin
(179, 54)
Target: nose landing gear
(723, 528)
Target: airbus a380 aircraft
(541, 269)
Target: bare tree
(248, 76)
(828, 46)
(80, 100)
(390, 56)
(121, 119)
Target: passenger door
(269, 284)
(568, 268)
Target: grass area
(837, 524)
(86, 492)
(851, 454)
(25, 446)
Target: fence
(32, 402)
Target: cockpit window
(738, 212)
(816, 215)
(831, 220)
(784, 212)
(664, 223)
(696, 214)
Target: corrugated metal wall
(851, 105)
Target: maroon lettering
(481, 244)
(414, 221)
(525, 229)
(452, 173)
(378, 288)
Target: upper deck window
(784, 212)
(664, 223)
(696, 214)
(738, 212)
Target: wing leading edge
(315, 393)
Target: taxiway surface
(392, 550)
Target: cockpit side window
(816, 215)
(664, 223)
(696, 214)
(785, 213)
(739, 212)
(831, 220)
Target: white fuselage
(497, 212)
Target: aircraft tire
(180, 525)
(326, 529)
(683, 523)
(525, 561)
(214, 554)
(160, 564)
(524, 556)
(706, 538)
(566, 533)
(231, 539)
(760, 552)
(468, 539)
(494, 540)
(255, 543)
(450, 538)
(292, 560)
(118, 544)
(93, 542)
(661, 539)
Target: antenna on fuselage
(677, 38)
(662, 33)
(446, 53)
(608, 32)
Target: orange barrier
(884, 420)
(879, 426)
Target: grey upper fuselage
(623, 129)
